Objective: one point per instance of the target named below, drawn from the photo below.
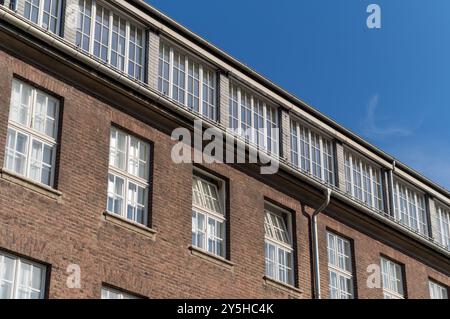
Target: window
(32, 131)
(392, 277)
(363, 181)
(437, 291)
(409, 208)
(254, 119)
(208, 219)
(278, 245)
(187, 81)
(20, 278)
(111, 38)
(110, 293)
(312, 153)
(443, 226)
(340, 276)
(45, 13)
(128, 178)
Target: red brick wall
(72, 230)
(368, 251)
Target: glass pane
(24, 274)
(5, 290)
(37, 278)
(7, 268)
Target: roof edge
(141, 4)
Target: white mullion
(238, 91)
(125, 178)
(310, 152)
(277, 264)
(372, 182)
(145, 38)
(252, 120)
(418, 213)
(298, 141)
(200, 89)
(265, 128)
(40, 13)
(397, 199)
(333, 173)
(15, 277)
(205, 230)
(28, 162)
(443, 216)
(127, 46)
(440, 220)
(361, 176)
(335, 246)
(186, 80)
(93, 21)
(214, 102)
(30, 280)
(110, 32)
(352, 181)
(408, 213)
(322, 157)
(31, 108)
(170, 72)
(146, 206)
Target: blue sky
(391, 85)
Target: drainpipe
(315, 243)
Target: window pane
(110, 293)
(198, 230)
(339, 267)
(206, 195)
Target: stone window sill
(130, 225)
(211, 258)
(30, 184)
(293, 291)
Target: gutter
(315, 243)
(157, 97)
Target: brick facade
(68, 225)
(69, 228)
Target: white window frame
(415, 202)
(129, 178)
(106, 291)
(336, 269)
(129, 24)
(33, 134)
(266, 137)
(41, 14)
(393, 287)
(437, 290)
(204, 73)
(207, 213)
(302, 152)
(278, 245)
(443, 226)
(16, 273)
(355, 164)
